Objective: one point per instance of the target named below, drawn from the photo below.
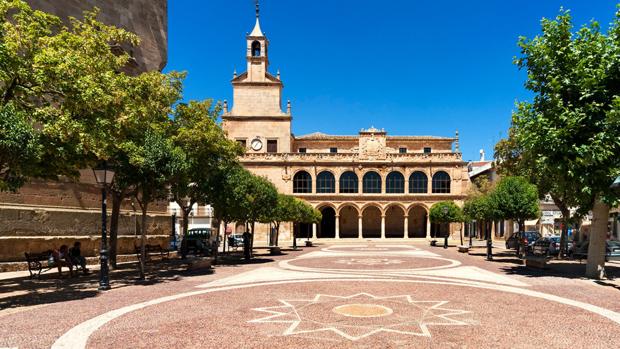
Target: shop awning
(531, 222)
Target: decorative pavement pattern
(360, 295)
(367, 315)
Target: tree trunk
(461, 233)
(117, 200)
(564, 234)
(277, 224)
(144, 206)
(521, 225)
(595, 268)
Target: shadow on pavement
(23, 291)
(565, 269)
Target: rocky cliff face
(146, 18)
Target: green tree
(19, 148)
(284, 211)
(147, 104)
(64, 81)
(516, 199)
(152, 163)
(571, 127)
(206, 147)
(445, 212)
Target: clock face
(256, 144)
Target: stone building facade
(369, 185)
(47, 214)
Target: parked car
(198, 241)
(612, 250)
(549, 246)
(522, 241)
(235, 240)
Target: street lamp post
(489, 246)
(104, 176)
(445, 238)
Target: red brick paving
(495, 319)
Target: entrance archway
(417, 222)
(348, 221)
(371, 222)
(394, 222)
(327, 228)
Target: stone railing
(291, 158)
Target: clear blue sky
(411, 67)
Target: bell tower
(256, 118)
(257, 57)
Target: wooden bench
(463, 248)
(37, 262)
(152, 250)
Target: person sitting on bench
(61, 259)
(75, 253)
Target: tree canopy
(445, 212)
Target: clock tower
(256, 119)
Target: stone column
(359, 227)
(337, 236)
(382, 227)
(428, 228)
(314, 231)
(406, 232)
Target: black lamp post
(489, 245)
(445, 238)
(104, 176)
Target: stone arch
(371, 221)
(349, 182)
(369, 204)
(256, 48)
(394, 221)
(348, 217)
(327, 227)
(323, 205)
(325, 182)
(418, 182)
(417, 221)
(395, 183)
(372, 182)
(302, 182)
(441, 182)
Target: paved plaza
(366, 295)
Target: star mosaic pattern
(361, 315)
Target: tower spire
(257, 9)
(257, 31)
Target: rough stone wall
(146, 18)
(46, 214)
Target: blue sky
(411, 67)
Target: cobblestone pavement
(358, 295)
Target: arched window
(302, 182)
(256, 49)
(395, 183)
(325, 182)
(348, 183)
(441, 183)
(418, 183)
(371, 183)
